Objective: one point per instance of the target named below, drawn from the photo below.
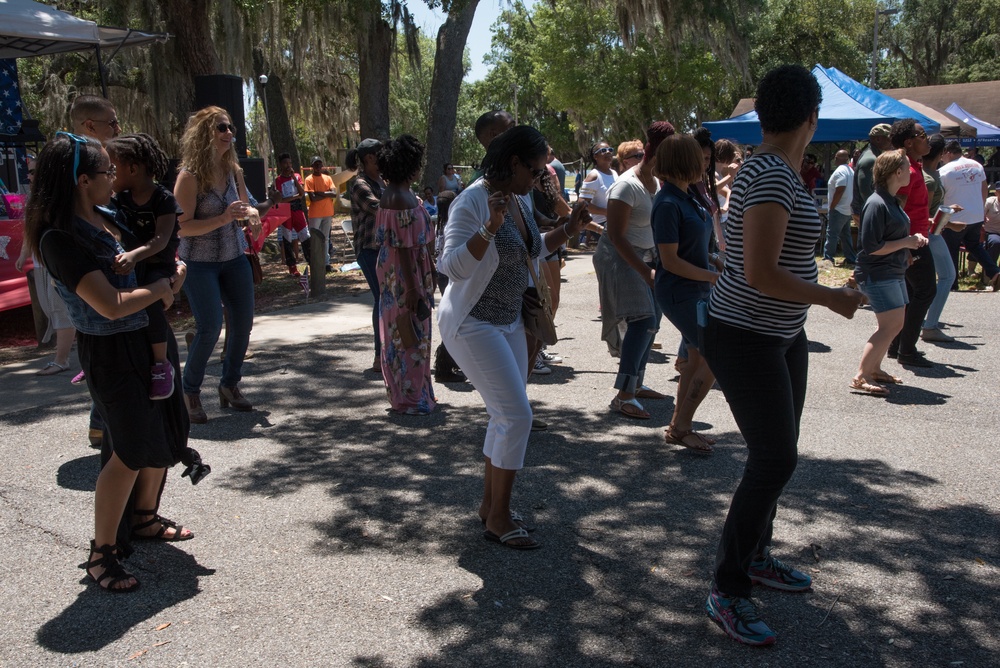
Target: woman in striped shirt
(755, 343)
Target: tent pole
(100, 71)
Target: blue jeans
(945, 278)
(969, 237)
(209, 287)
(367, 258)
(636, 344)
(838, 230)
(764, 380)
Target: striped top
(763, 179)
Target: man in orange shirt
(319, 189)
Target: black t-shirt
(65, 259)
(141, 220)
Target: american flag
(10, 116)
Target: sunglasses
(920, 135)
(222, 127)
(112, 123)
(636, 156)
(602, 151)
(77, 142)
(111, 171)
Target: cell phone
(423, 310)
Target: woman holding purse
(489, 242)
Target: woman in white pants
(490, 233)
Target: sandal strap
(113, 569)
(516, 533)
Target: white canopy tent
(32, 29)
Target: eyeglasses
(222, 127)
(602, 151)
(636, 156)
(112, 123)
(537, 173)
(110, 171)
(77, 142)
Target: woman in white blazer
(490, 233)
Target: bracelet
(566, 230)
(486, 234)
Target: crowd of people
(688, 228)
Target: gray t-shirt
(629, 189)
(882, 220)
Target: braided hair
(140, 149)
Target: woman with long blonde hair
(211, 191)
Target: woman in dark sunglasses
(78, 246)
(211, 192)
(598, 182)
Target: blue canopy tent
(847, 113)
(987, 134)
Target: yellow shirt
(320, 208)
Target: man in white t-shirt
(838, 220)
(964, 182)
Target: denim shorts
(885, 295)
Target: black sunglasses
(222, 127)
(636, 156)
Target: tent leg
(100, 71)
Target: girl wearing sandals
(885, 253)
(682, 229)
(78, 245)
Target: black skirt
(143, 433)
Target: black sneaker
(914, 359)
(450, 376)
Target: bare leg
(159, 352)
(695, 383)
(64, 344)
(114, 486)
(147, 493)
(889, 325)
(500, 483)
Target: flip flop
(863, 386)
(676, 437)
(517, 518)
(513, 535)
(883, 377)
(629, 408)
(51, 369)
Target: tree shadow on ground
(629, 529)
(96, 618)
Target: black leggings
(158, 328)
(921, 287)
(764, 380)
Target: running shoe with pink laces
(774, 574)
(737, 616)
(163, 381)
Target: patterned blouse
(501, 301)
(365, 196)
(221, 244)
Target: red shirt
(917, 205)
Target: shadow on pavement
(80, 474)
(96, 618)
(628, 528)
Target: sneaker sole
(165, 396)
(735, 636)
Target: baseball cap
(880, 130)
(368, 146)
(316, 159)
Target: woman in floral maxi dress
(406, 281)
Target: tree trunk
(279, 127)
(374, 56)
(445, 86)
(189, 25)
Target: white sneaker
(550, 358)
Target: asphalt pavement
(334, 533)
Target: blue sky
(429, 20)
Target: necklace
(788, 161)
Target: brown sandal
(676, 436)
(883, 377)
(629, 408)
(861, 385)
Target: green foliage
(833, 33)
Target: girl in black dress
(79, 246)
